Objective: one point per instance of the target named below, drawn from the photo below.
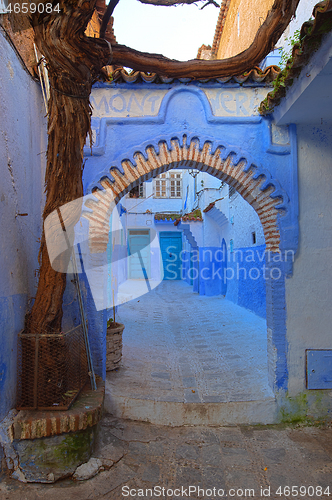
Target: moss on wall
(57, 456)
(309, 408)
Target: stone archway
(255, 185)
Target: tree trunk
(73, 62)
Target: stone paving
(184, 347)
(240, 462)
(143, 460)
(181, 350)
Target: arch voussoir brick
(154, 160)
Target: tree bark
(267, 36)
(74, 61)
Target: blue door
(139, 254)
(171, 246)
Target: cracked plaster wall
(22, 162)
(308, 291)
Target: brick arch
(254, 184)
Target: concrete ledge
(177, 414)
(85, 412)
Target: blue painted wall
(191, 266)
(211, 271)
(22, 163)
(188, 272)
(276, 322)
(94, 279)
(12, 310)
(245, 273)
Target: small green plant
(312, 42)
(286, 52)
(286, 62)
(110, 322)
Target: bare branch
(264, 41)
(169, 3)
(210, 2)
(109, 11)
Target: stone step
(176, 414)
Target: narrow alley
(181, 348)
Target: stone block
(45, 446)
(114, 346)
(45, 460)
(88, 470)
(111, 452)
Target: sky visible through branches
(175, 32)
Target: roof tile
(255, 75)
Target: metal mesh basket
(52, 369)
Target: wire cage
(52, 369)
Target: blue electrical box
(319, 369)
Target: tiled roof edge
(195, 216)
(255, 75)
(167, 216)
(311, 35)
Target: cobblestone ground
(183, 347)
(240, 462)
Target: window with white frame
(160, 186)
(175, 184)
(168, 185)
(138, 191)
(141, 190)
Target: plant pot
(114, 346)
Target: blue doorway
(139, 253)
(171, 246)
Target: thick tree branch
(267, 36)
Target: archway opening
(234, 175)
